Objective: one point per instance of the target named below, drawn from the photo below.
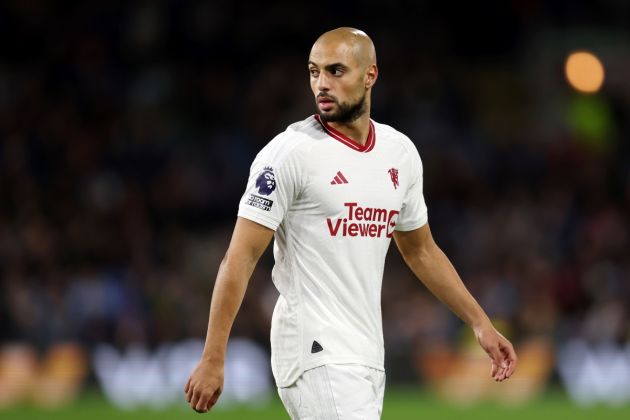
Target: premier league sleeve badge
(266, 181)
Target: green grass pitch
(400, 404)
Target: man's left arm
(433, 268)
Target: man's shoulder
(309, 126)
(295, 137)
(389, 133)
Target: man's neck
(357, 130)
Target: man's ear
(371, 76)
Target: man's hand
(204, 386)
(500, 351)
(249, 241)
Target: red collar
(337, 135)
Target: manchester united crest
(393, 174)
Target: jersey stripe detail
(371, 141)
(339, 136)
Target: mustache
(325, 96)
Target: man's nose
(322, 82)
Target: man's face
(337, 81)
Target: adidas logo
(339, 179)
(316, 347)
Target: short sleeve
(271, 189)
(413, 213)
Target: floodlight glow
(584, 72)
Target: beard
(346, 111)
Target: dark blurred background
(127, 130)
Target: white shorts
(336, 392)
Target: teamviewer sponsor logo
(259, 202)
(364, 221)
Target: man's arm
(249, 241)
(434, 269)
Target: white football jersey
(333, 204)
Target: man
(333, 189)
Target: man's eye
(337, 72)
(314, 72)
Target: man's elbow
(417, 259)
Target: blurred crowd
(127, 131)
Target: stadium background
(126, 134)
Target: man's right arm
(249, 241)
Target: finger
(200, 411)
(493, 368)
(214, 399)
(195, 400)
(202, 404)
(501, 371)
(498, 360)
(505, 351)
(511, 368)
(499, 376)
(512, 360)
(187, 386)
(504, 368)
(189, 393)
